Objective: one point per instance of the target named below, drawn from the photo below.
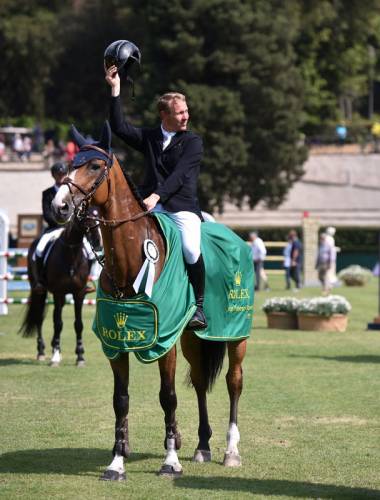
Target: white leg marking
(56, 358)
(233, 437)
(117, 464)
(171, 456)
(232, 457)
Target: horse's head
(85, 182)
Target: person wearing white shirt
(258, 255)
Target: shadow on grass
(15, 361)
(273, 487)
(360, 358)
(69, 461)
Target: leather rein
(80, 210)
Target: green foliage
(259, 75)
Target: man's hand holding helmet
(113, 79)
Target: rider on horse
(53, 230)
(172, 162)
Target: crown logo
(120, 319)
(238, 278)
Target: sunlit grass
(309, 416)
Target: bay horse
(125, 224)
(67, 270)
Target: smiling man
(173, 157)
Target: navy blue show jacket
(172, 173)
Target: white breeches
(54, 235)
(45, 238)
(189, 225)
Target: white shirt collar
(166, 133)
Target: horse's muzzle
(62, 206)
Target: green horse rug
(150, 326)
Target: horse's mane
(133, 187)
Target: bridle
(80, 210)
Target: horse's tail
(34, 314)
(212, 356)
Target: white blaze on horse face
(62, 197)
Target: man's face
(177, 119)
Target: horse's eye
(94, 166)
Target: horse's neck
(73, 235)
(123, 244)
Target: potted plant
(327, 314)
(355, 276)
(281, 312)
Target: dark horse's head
(89, 169)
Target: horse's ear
(106, 138)
(78, 138)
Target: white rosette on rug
(151, 257)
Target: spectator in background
(325, 258)
(18, 146)
(258, 255)
(375, 131)
(27, 145)
(330, 239)
(295, 258)
(287, 262)
(49, 153)
(341, 133)
(2, 147)
(71, 150)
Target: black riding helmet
(59, 168)
(124, 55)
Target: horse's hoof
(232, 460)
(113, 475)
(201, 456)
(170, 470)
(54, 364)
(41, 357)
(81, 363)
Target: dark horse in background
(124, 225)
(67, 270)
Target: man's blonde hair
(164, 102)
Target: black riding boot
(40, 285)
(196, 273)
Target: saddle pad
(124, 326)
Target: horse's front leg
(78, 325)
(115, 471)
(234, 379)
(59, 302)
(168, 399)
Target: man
(325, 258)
(258, 255)
(295, 258)
(59, 171)
(172, 162)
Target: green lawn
(309, 416)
